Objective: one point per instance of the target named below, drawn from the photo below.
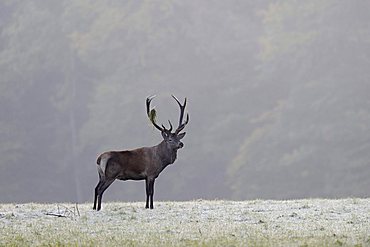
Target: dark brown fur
(140, 164)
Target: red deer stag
(142, 163)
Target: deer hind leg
(103, 186)
(96, 193)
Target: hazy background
(278, 91)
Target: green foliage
(152, 115)
(310, 138)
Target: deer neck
(166, 154)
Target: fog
(278, 97)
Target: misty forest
(278, 96)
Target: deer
(145, 163)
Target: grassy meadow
(308, 222)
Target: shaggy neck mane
(167, 155)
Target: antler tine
(148, 100)
(182, 109)
(149, 112)
(170, 126)
(167, 130)
(182, 126)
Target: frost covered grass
(316, 222)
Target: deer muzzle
(181, 145)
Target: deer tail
(102, 163)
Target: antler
(152, 114)
(182, 109)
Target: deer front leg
(151, 193)
(147, 192)
(149, 182)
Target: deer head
(172, 139)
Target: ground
(309, 222)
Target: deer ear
(164, 135)
(180, 136)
